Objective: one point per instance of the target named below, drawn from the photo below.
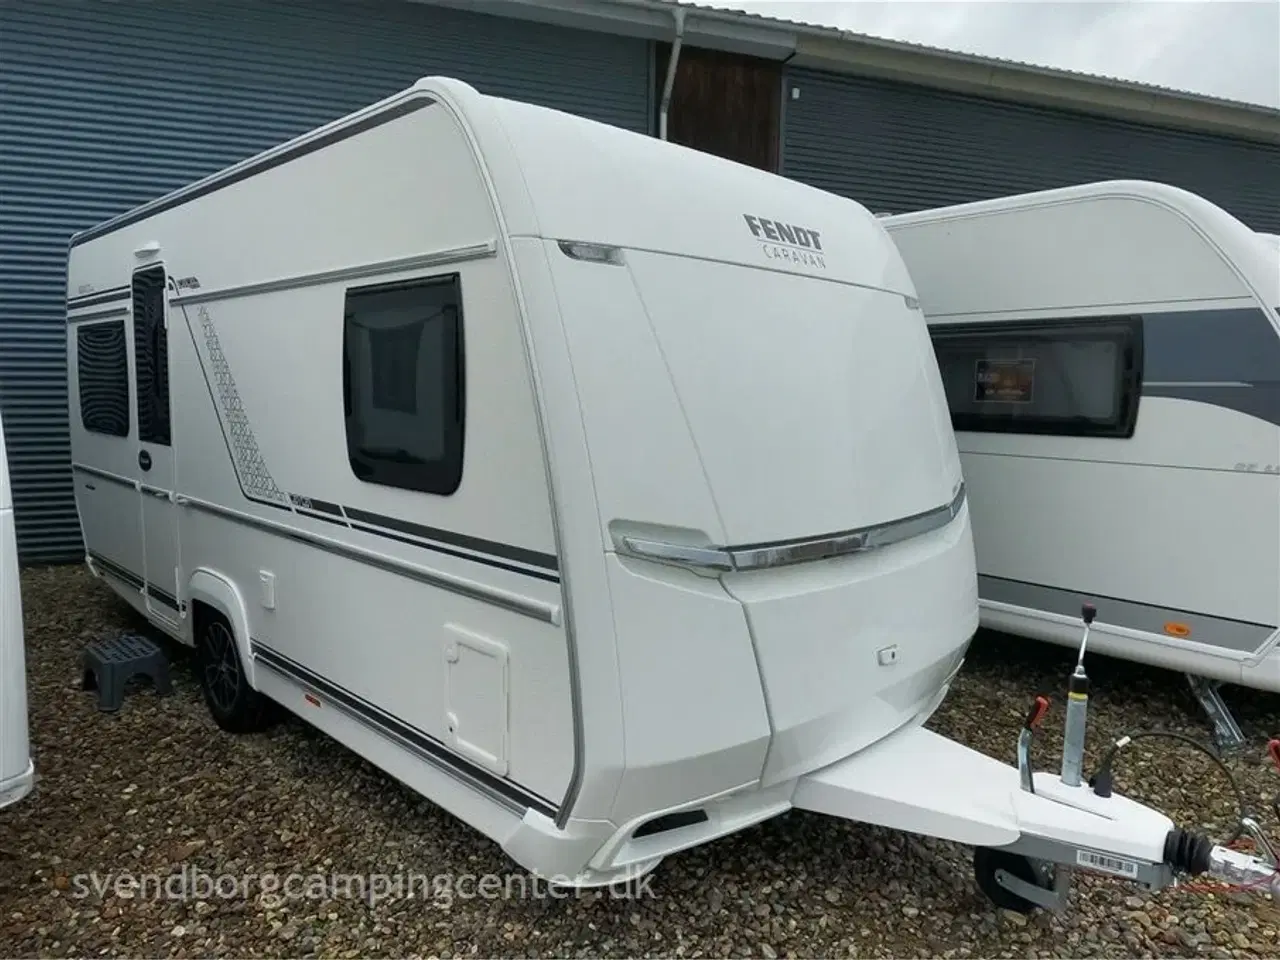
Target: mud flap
(918, 781)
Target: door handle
(144, 459)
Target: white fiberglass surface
(816, 406)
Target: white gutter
(670, 82)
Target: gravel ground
(158, 789)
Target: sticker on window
(1004, 381)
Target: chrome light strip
(798, 551)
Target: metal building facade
(106, 105)
(896, 148)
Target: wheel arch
(219, 593)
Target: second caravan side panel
(358, 586)
(1170, 528)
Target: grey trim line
(1195, 383)
(436, 258)
(267, 161)
(164, 596)
(115, 570)
(769, 555)
(1241, 636)
(538, 609)
(99, 297)
(133, 581)
(110, 314)
(1261, 402)
(488, 552)
(533, 558)
(511, 795)
(104, 474)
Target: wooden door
(723, 103)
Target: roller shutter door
(897, 148)
(104, 105)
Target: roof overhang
(647, 20)
(1026, 83)
(845, 52)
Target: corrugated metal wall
(897, 148)
(104, 105)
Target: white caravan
(600, 490)
(1111, 356)
(17, 773)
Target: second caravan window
(102, 376)
(1079, 379)
(402, 385)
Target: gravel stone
(156, 794)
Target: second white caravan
(1111, 356)
(600, 490)
(17, 772)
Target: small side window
(1079, 378)
(151, 355)
(102, 374)
(403, 396)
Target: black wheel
(985, 864)
(235, 706)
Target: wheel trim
(222, 668)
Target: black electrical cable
(1102, 778)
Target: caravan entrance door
(155, 462)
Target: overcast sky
(1223, 48)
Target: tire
(234, 705)
(985, 864)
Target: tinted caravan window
(102, 373)
(402, 372)
(151, 355)
(1079, 379)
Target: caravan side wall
(16, 771)
(1165, 508)
(325, 317)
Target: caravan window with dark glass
(1077, 378)
(102, 375)
(402, 373)
(151, 355)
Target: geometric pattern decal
(252, 468)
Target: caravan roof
(1100, 224)
(561, 176)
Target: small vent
(670, 821)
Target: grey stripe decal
(511, 795)
(533, 558)
(129, 578)
(1238, 635)
(1225, 358)
(168, 599)
(114, 569)
(549, 613)
(517, 603)
(1261, 400)
(268, 161)
(1210, 346)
